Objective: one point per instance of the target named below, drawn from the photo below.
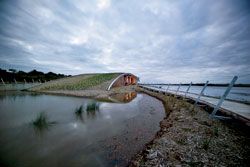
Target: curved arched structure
(124, 80)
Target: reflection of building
(123, 97)
(124, 80)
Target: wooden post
(224, 96)
(201, 93)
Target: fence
(18, 85)
(215, 95)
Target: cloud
(160, 41)
(103, 4)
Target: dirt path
(190, 138)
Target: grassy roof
(79, 82)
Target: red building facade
(124, 80)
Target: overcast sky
(157, 40)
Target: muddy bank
(188, 137)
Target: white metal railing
(196, 95)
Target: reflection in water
(123, 97)
(16, 94)
(41, 123)
(110, 135)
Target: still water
(107, 134)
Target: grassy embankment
(79, 82)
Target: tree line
(13, 75)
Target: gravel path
(190, 138)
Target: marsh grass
(195, 163)
(186, 129)
(216, 131)
(91, 106)
(193, 110)
(206, 143)
(182, 141)
(94, 106)
(78, 112)
(92, 109)
(41, 122)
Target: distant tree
(51, 73)
(2, 71)
(21, 73)
(13, 70)
(35, 72)
(9, 75)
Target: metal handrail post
(2, 81)
(178, 89)
(224, 96)
(188, 88)
(167, 87)
(198, 98)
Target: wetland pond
(78, 131)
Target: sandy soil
(188, 137)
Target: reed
(79, 110)
(206, 143)
(91, 106)
(41, 122)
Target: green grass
(91, 107)
(79, 110)
(93, 81)
(206, 143)
(182, 141)
(216, 131)
(41, 122)
(78, 82)
(78, 113)
(195, 163)
(186, 129)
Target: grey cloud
(173, 41)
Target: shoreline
(186, 137)
(98, 94)
(189, 137)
